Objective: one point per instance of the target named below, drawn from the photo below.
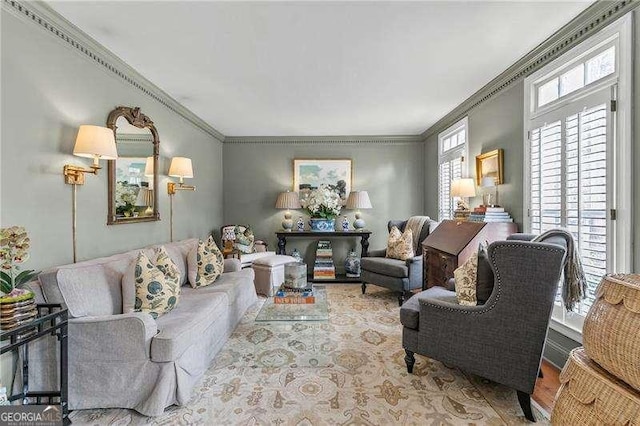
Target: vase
(352, 265)
(322, 225)
(345, 224)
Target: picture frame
(490, 164)
(310, 173)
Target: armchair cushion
(410, 310)
(385, 266)
(400, 245)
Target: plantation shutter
(449, 171)
(568, 184)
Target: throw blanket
(574, 285)
(415, 223)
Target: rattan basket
(611, 332)
(588, 395)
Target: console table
(364, 242)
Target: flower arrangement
(125, 198)
(323, 202)
(14, 250)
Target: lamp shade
(358, 200)
(148, 167)
(487, 182)
(288, 200)
(145, 197)
(95, 141)
(181, 167)
(463, 188)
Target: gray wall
(497, 123)
(254, 174)
(48, 90)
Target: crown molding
(43, 16)
(304, 140)
(590, 21)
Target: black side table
(52, 319)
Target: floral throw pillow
(157, 284)
(244, 242)
(466, 277)
(205, 263)
(400, 245)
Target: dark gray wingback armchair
(501, 340)
(394, 274)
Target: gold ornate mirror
(133, 177)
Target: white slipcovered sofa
(131, 360)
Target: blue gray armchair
(394, 274)
(503, 339)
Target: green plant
(14, 250)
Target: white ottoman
(269, 272)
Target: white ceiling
(320, 68)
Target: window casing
(452, 152)
(577, 121)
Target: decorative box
(611, 332)
(589, 396)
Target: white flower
(323, 202)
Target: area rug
(347, 370)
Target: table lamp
(358, 200)
(489, 183)
(463, 189)
(287, 201)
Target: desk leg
(282, 242)
(365, 245)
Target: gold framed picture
(490, 164)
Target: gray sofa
(131, 360)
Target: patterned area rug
(348, 370)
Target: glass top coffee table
(318, 311)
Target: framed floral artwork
(309, 174)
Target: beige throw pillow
(156, 284)
(205, 263)
(400, 245)
(466, 277)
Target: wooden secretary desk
(453, 242)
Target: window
(575, 165)
(597, 65)
(452, 149)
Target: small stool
(269, 272)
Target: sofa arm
(112, 337)
(377, 253)
(232, 265)
(260, 246)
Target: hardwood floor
(545, 391)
